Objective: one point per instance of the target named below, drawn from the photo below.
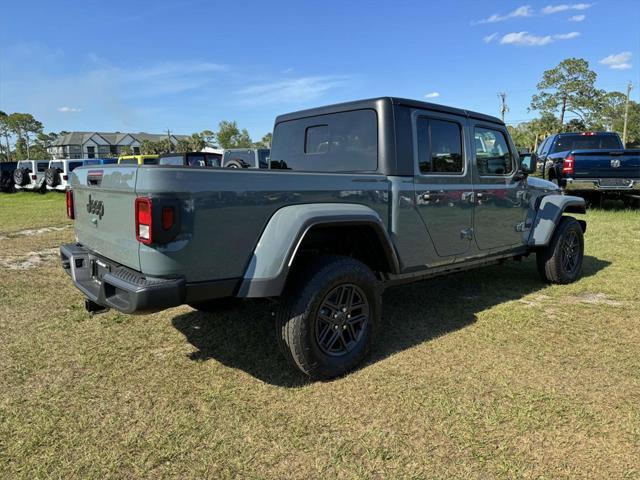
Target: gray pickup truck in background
(359, 196)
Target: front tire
(328, 316)
(561, 260)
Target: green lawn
(484, 374)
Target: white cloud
(618, 61)
(291, 91)
(432, 95)
(550, 9)
(577, 18)
(529, 40)
(524, 11)
(566, 36)
(69, 109)
(490, 38)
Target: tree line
(565, 90)
(569, 89)
(22, 137)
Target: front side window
(439, 146)
(495, 157)
(334, 142)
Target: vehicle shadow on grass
(244, 337)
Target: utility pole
(626, 116)
(503, 104)
(169, 139)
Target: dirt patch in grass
(28, 261)
(32, 232)
(591, 298)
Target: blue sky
(149, 66)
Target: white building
(102, 144)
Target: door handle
(468, 196)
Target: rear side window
(494, 158)
(245, 157)
(74, 165)
(173, 160)
(336, 142)
(439, 146)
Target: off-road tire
(21, 177)
(553, 263)
(52, 177)
(307, 290)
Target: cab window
(494, 158)
(439, 146)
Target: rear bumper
(111, 285)
(601, 185)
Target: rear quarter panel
(224, 211)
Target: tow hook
(93, 308)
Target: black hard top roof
(373, 102)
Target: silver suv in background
(56, 176)
(29, 174)
(246, 158)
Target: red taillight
(65, 178)
(34, 177)
(568, 164)
(167, 218)
(144, 220)
(70, 211)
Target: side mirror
(529, 163)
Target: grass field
(480, 375)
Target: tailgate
(607, 164)
(103, 198)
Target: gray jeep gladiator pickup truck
(359, 196)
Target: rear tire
(328, 315)
(561, 260)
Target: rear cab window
(586, 141)
(335, 142)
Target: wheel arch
(289, 230)
(549, 213)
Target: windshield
(586, 142)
